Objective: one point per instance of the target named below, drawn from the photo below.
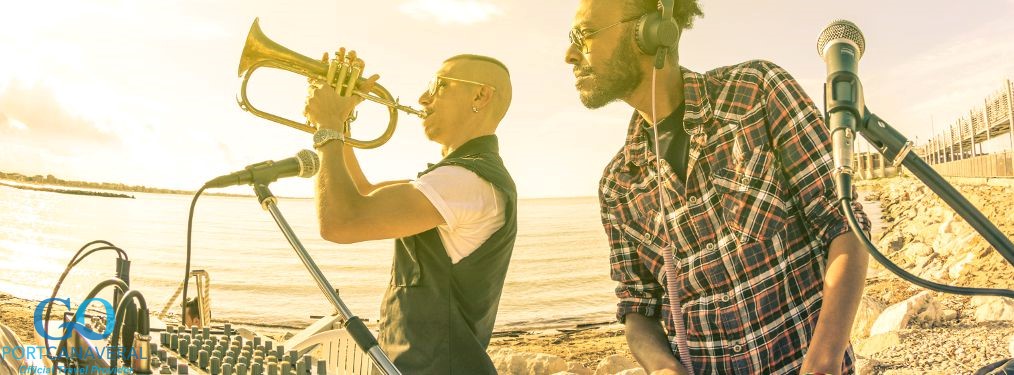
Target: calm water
(559, 273)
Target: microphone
(841, 45)
(304, 164)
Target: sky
(143, 92)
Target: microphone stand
(894, 146)
(355, 326)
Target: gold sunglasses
(441, 81)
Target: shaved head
(487, 70)
(467, 99)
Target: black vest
(437, 317)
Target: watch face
(323, 136)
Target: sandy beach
(940, 333)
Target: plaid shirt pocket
(751, 195)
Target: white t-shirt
(472, 208)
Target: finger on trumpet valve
(332, 69)
(353, 79)
(343, 71)
(354, 71)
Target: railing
(965, 138)
(993, 165)
(978, 145)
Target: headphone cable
(676, 310)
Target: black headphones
(657, 33)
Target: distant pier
(962, 149)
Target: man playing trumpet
(454, 226)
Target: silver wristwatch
(323, 136)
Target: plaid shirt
(751, 225)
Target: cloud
(33, 114)
(446, 12)
(933, 89)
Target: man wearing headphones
(454, 226)
(720, 208)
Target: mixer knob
(216, 365)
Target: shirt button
(737, 348)
(693, 199)
(725, 298)
(710, 246)
(745, 180)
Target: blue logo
(78, 324)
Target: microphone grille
(841, 29)
(309, 163)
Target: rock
(948, 315)
(869, 310)
(938, 272)
(521, 363)
(866, 366)
(633, 371)
(897, 316)
(579, 369)
(886, 295)
(954, 271)
(922, 260)
(942, 243)
(1010, 346)
(878, 343)
(903, 372)
(945, 226)
(614, 364)
(546, 364)
(916, 250)
(953, 244)
(931, 313)
(993, 308)
(891, 242)
(508, 362)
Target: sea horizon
(253, 269)
(250, 262)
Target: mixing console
(184, 351)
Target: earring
(476, 110)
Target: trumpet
(262, 52)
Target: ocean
(559, 273)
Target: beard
(617, 78)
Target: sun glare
(463, 12)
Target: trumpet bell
(262, 52)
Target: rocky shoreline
(904, 329)
(69, 191)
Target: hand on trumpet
(329, 107)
